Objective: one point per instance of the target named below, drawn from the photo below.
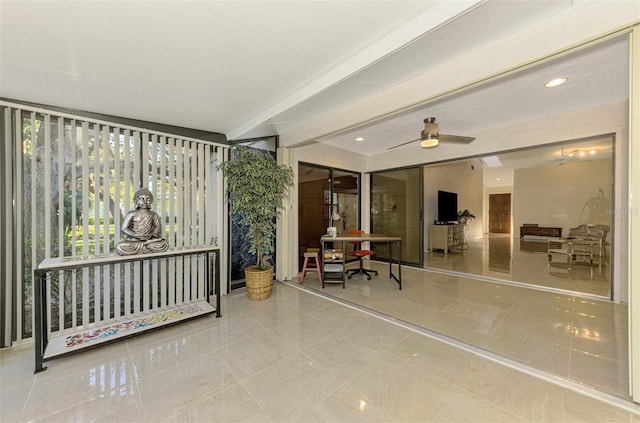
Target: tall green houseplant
(256, 189)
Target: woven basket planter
(259, 283)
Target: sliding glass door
(396, 209)
(326, 197)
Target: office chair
(360, 254)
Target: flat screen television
(447, 207)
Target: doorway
(500, 213)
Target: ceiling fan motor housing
(430, 127)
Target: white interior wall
(465, 179)
(557, 195)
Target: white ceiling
(257, 68)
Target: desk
(344, 238)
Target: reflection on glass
(547, 187)
(327, 198)
(395, 210)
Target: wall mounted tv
(447, 207)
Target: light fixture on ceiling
(359, 139)
(492, 161)
(555, 82)
(429, 140)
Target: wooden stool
(311, 266)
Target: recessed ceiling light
(592, 152)
(497, 179)
(555, 82)
(359, 139)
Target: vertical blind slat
(179, 219)
(74, 214)
(61, 207)
(171, 181)
(85, 221)
(19, 224)
(162, 207)
(6, 220)
(106, 216)
(127, 205)
(117, 224)
(97, 149)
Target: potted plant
(256, 189)
(464, 216)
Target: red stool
(307, 266)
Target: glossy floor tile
(298, 357)
(581, 339)
(508, 258)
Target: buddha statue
(141, 228)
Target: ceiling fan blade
(404, 143)
(455, 138)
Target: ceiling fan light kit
(430, 137)
(429, 140)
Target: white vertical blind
(78, 180)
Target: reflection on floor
(503, 257)
(583, 340)
(296, 357)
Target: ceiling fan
(563, 158)
(430, 137)
(572, 156)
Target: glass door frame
(420, 217)
(329, 204)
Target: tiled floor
(506, 258)
(581, 339)
(301, 357)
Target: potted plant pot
(259, 283)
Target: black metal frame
(361, 269)
(390, 240)
(41, 336)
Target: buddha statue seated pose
(141, 228)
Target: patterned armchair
(590, 232)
